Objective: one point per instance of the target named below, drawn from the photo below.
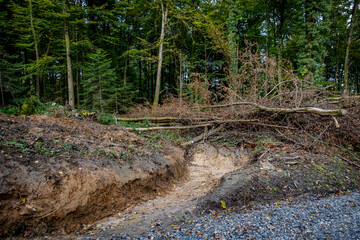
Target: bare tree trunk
(281, 38)
(279, 73)
(77, 72)
(140, 80)
(100, 97)
(180, 78)
(2, 92)
(68, 59)
(125, 69)
(158, 76)
(232, 38)
(37, 83)
(346, 65)
(267, 31)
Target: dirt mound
(279, 175)
(60, 173)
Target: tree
(314, 31)
(68, 59)
(348, 45)
(164, 13)
(99, 81)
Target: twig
(336, 122)
(349, 161)
(355, 157)
(318, 137)
(290, 139)
(49, 213)
(264, 153)
(274, 126)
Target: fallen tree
(203, 136)
(257, 107)
(314, 110)
(168, 128)
(162, 119)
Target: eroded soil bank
(282, 175)
(207, 163)
(59, 174)
(225, 179)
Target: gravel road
(333, 217)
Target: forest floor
(74, 178)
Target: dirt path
(207, 165)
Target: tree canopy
(110, 49)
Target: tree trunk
(77, 72)
(125, 69)
(158, 76)
(267, 29)
(232, 39)
(346, 65)
(100, 97)
(1, 89)
(140, 80)
(37, 81)
(180, 78)
(68, 59)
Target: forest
(128, 119)
(108, 55)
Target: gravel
(333, 217)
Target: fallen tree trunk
(162, 119)
(314, 110)
(167, 128)
(202, 136)
(324, 112)
(232, 121)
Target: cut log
(232, 121)
(163, 119)
(167, 128)
(324, 112)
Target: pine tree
(314, 32)
(99, 83)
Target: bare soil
(59, 176)
(282, 175)
(206, 165)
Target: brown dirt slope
(282, 174)
(61, 173)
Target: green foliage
(223, 204)
(32, 105)
(106, 119)
(204, 38)
(10, 110)
(99, 81)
